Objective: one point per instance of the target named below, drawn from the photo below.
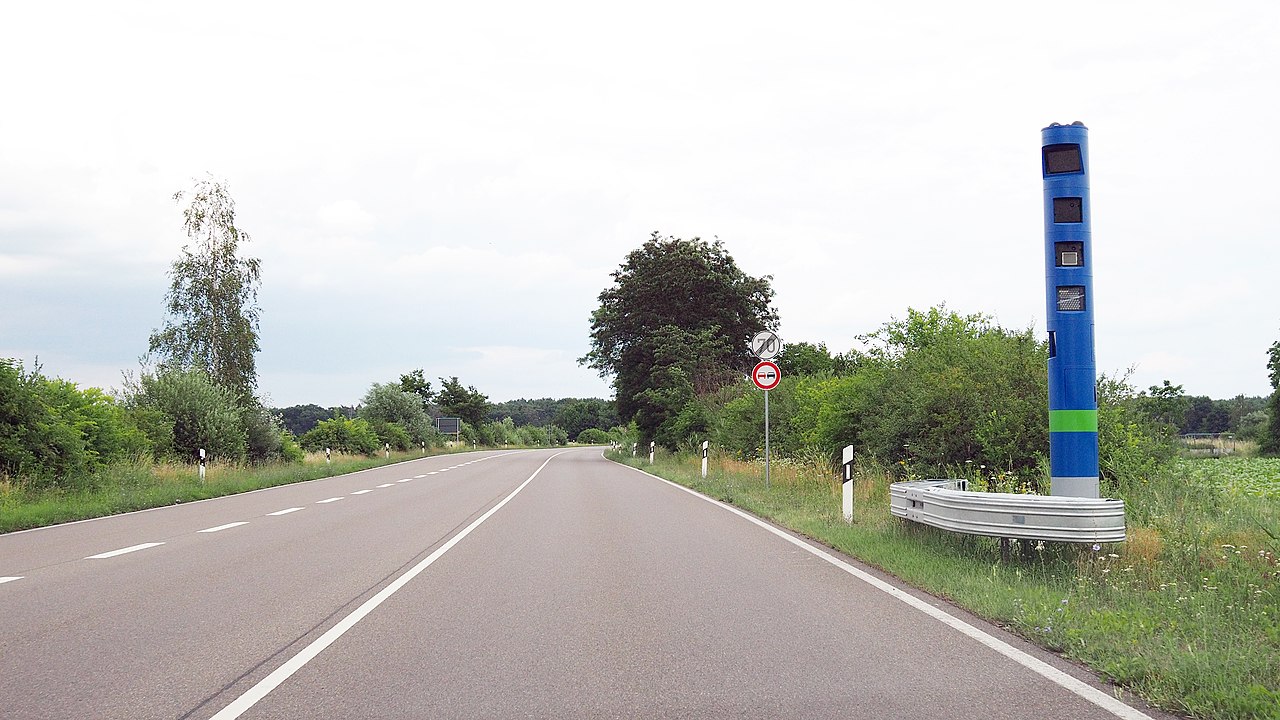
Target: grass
(1186, 613)
(128, 487)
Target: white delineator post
(633, 449)
(652, 444)
(704, 459)
(848, 484)
(201, 465)
(327, 457)
(386, 447)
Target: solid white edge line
(285, 511)
(297, 662)
(220, 528)
(1036, 665)
(4, 580)
(123, 551)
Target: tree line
(934, 389)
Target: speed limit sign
(766, 345)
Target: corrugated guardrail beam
(946, 504)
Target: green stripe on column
(1073, 421)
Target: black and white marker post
(202, 466)
(704, 459)
(652, 445)
(386, 447)
(328, 462)
(848, 484)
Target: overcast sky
(449, 185)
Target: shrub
(203, 414)
(342, 435)
(593, 436)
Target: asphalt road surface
(524, 584)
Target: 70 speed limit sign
(766, 345)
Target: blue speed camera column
(1073, 401)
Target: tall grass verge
(125, 487)
(1186, 613)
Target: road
(545, 584)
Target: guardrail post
(847, 486)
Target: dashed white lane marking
(434, 472)
(416, 477)
(317, 646)
(405, 480)
(4, 580)
(285, 511)
(220, 528)
(385, 485)
(123, 551)
(362, 492)
(322, 502)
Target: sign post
(766, 376)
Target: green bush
(389, 404)
(203, 414)
(593, 436)
(52, 432)
(290, 451)
(342, 435)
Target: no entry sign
(766, 375)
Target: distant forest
(573, 415)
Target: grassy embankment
(128, 487)
(1186, 613)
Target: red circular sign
(766, 375)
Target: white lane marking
(4, 580)
(123, 551)
(317, 646)
(220, 528)
(385, 485)
(322, 502)
(1034, 664)
(440, 471)
(286, 511)
(417, 477)
(362, 492)
(405, 480)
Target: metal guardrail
(948, 505)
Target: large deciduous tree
(213, 295)
(677, 322)
(465, 402)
